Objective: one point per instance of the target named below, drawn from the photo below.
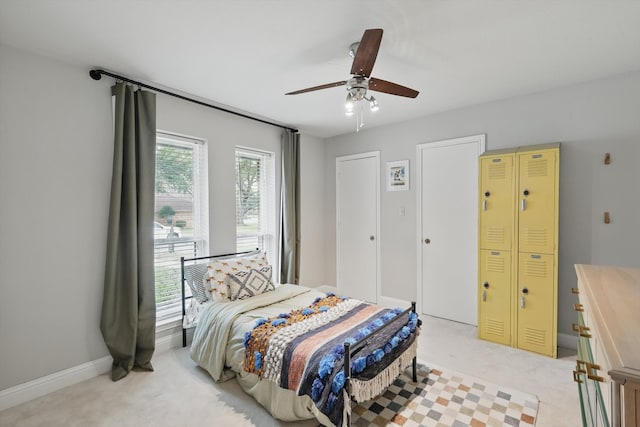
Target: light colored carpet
(179, 393)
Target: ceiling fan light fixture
(364, 54)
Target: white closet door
(357, 206)
(448, 254)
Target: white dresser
(608, 363)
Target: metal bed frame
(349, 349)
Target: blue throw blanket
(304, 350)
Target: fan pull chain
(359, 116)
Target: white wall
(589, 119)
(55, 174)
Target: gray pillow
(194, 275)
(245, 284)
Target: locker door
(536, 200)
(496, 202)
(535, 299)
(495, 296)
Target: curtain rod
(97, 75)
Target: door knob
(427, 241)
(372, 238)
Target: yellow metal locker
(536, 297)
(537, 201)
(494, 296)
(496, 201)
(518, 246)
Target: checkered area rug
(444, 398)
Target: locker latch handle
(524, 201)
(484, 295)
(525, 291)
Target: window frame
(268, 203)
(171, 315)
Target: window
(255, 203)
(181, 224)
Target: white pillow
(218, 270)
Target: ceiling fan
(364, 55)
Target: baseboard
(167, 343)
(389, 302)
(567, 341)
(30, 390)
(40, 386)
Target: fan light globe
(348, 105)
(373, 104)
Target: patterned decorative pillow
(194, 275)
(216, 280)
(245, 284)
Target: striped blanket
(304, 350)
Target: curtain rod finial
(95, 74)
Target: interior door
(357, 225)
(449, 228)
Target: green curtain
(128, 320)
(290, 208)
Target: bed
(299, 352)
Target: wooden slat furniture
(608, 365)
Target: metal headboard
(183, 279)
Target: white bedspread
(218, 348)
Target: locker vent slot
(495, 265)
(535, 268)
(494, 327)
(495, 234)
(536, 236)
(535, 337)
(537, 167)
(497, 171)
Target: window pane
(179, 227)
(248, 202)
(255, 202)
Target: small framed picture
(398, 175)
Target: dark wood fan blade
(367, 52)
(392, 88)
(311, 89)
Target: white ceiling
(247, 54)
